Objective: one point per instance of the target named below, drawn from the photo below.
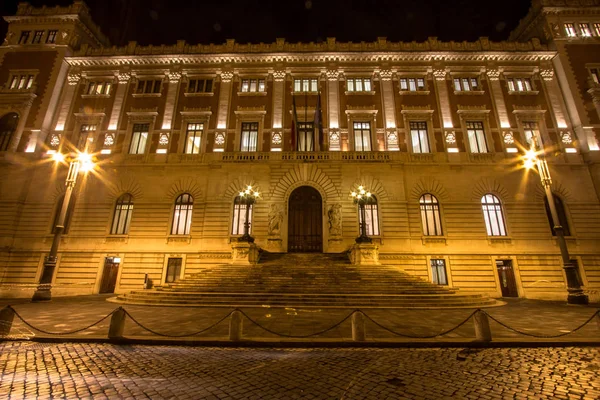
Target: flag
(294, 123)
(318, 124)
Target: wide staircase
(305, 280)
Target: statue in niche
(335, 219)
(275, 219)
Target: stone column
(170, 103)
(115, 115)
(554, 98)
(333, 102)
(224, 99)
(389, 103)
(444, 100)
(65, 109)
(278, 98)
(496, 92)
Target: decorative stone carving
(73, 79)
(334, 214)
(364, 254)
(386, 74)
(226, 76)
(123, 77)
(451, 137)
(163, 139)
(439, 74)
(279, 76)
(547, 74)
(566, 138)
(493, 74)
(275, 219)
(509, 138)
(332, 74)
(174, 76)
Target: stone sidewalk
(542, 318)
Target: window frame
(21, 80)
(520, 84)
(200, 85)
(405, 84)
(306, 85)
(37, 37)
(472, 84)
(570, 30)
(257, 85)
(306, 129)
(24, 37)
(493, 206)
(51, 37)
(594, 74)
(531, 129)
(195, 131)
(372, 214)
(478, 134)
(430, 209)
(415, 126)
(585, 29)
(140, 131)
(435, 265)
(364, 132)
(176, 267)
(352, 84)
(148, 86)
(238, 217)
(87, 132)
(248, 132)
(123, 205)
(183, 209)
(104, 86)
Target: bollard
(359, 333)
(7, 315)
(235, 326)
(117, 324)
(483, 333)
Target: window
(51, 38)
(519, 84)
(358, 84)
(24, 37)
(99, 88)
(530, 129)
(492, 214)
(139, 138)
(438, 272)
(200, 86)
(86, 136)
(305, 85)
(585, 30)
(253, 85)
(239, 216)
(193, 138)
(477, 139)
(597, 29)
(305, 136)
(8, 124)
(466, 84)
(430, 215)
(562, 216)
(37, 37)
(68, 214)
(595, 74)
(249, 136)
(21, 82)
(570, 30)
(412, 84)
(149, 86)
(182, 215)
(418, 132)
(362, 136)
(371, 217)
(122, 215)
(173, 270)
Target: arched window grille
(239, 217)
(8, 125)
(492, 213)
(430, 215)
(182, 215)
(68, 215)
(122, 215)
(371, 216)
(562, 216)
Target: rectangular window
(358, 84)
(37, 37)
(253, 85)
(24, 37)
(173, 270)
(362, 136)
(418, 132)
(412, 84)
(239, 217)
(477, 139)
(200, 86)
(305, 85)
(597, 29)
(249, 136)
(585, 30)
(570, 30)
(595, 73)
(139, 138)
(530, 130)
(51, 38)
(519, 84)
(193, 138)
(438, 272)
(99, 88)
(149, 86)
(86, 136)
(466, 84)
(21, 82)
(306, 132)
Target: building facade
(434, 130)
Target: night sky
(209, 21)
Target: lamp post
(82, 162)
(537, 159)
(362, 197)
(248, 197)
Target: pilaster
(115, 115)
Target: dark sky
(209, 21)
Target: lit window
(182, 215)
(362, 136)
(412, 84)
(562, 216)
(21, 82)
(149, 86)
(122, 215)
(8, 125)
(306, 133)
(597, 29)
(51, 38)
(253, 85)
(418, 132)
(430, 215)
(358, 84)
(24, 38)
(595, 74)
(438, 272)
(99, 88)
(530, 130)
(37, 37)
(477, 139)
(371, 217)
(193, 138)
(249, 136)
(139, 138)
(86, 136)
(239, 217)
(585, 30)
(200, 86)
(493, 216)
(173, 270)
(519, 84)
(305, 85)
(465, 84)
(570, 30)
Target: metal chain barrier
(177, 336)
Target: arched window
(562, 216)
(8, 125)
(371, 216)
(122, 215)
(68, 215)
(182, 215)
(239, 217)
(430, 215)
(492, 213)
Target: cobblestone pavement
(67, 370)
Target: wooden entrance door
(506, 275)
(305, 223)
(109, 275)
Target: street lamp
(80, 162)
(362, 197)
(534, 158)
(248, 197)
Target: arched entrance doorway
(305, 223)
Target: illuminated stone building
(435, 130)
